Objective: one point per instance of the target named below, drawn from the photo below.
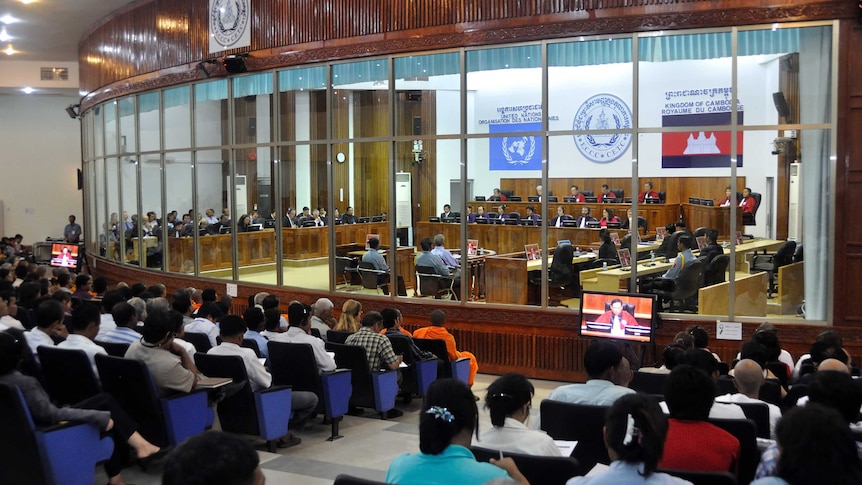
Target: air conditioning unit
(403, 200)
(794, 223)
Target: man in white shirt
(127, 319)
(299, 332)
(8, 308)
(85, 326)
(49, 324)
(321, 316)
(207, 316)
(709, 365)
(108, 324)
(748, 378)
(232, 329)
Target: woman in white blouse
(509, 401)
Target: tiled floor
(368, 446)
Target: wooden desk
(300, 243)
(747, 248)
(712, 217)
(655, 214)
(507, 275)
(507, 239)
(750, 298)
(217, 251)
(612, 279)
(791, 287)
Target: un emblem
(603, 112)
(228, 21)
(520, 150)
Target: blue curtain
(590, 53)
(211, 91)
(303, 79)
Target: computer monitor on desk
(224, 230)
(533, 198)
(707, 202)
(479, 198)
(255, 227)
(615, 225)
(591, 200)
(594, 224)
(515, 198)
(553, 198)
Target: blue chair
(64, 454)
(419, 374)
(457, 369)
(294, 365)
(371, 389)
(163, 421)
(263, 413)
(69, 377)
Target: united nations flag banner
(514, 152)
(229, 24)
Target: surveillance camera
(776, 152)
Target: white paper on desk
(566, 447)
(402, 364)
(728, 330)
(598, 470)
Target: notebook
(212, 382)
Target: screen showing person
(617, 316)
(701, 242)
(64, 255)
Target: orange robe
(402, 330)
(444, 335)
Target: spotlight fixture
(235, 63)
(73, 110)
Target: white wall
(41, 153)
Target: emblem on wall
(603, 112)
(229, 24)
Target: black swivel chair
(746, 432)
(684, 288)
(547, 470)
(561, 275)
(749, 219)
(200, 340)
(619, 193)
(433, 284)
(577, 422)
(716, 270)
(345, 267)
(771, 262)
(700, 231)
(648, 382)
(370, 276)
(458, 369)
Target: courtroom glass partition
(99, 130)
(211, 113)
(212, 177)
(111, 138)
(149, 125)
(99, 205)
(255, 249)
(112, 229)
(151, 218)
(178, 233)
(302, 104)
(128, 207)
(90, 205)
(127, 126)
(177, 117)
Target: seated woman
(607, 250)
(509, 401)
(634, 433)
(244, 222)
(101, 409)
(445, 428)
(348, 321)
(608, 216)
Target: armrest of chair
(426, 373)
(337, 389)
(186, 415)
(461, 369)
(273, 411)
(71, 451)
(385, 384)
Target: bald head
(748, 377)
(322, 306)
(835, 365)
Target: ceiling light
(9, 50)
(27, 90)
(27, 2)
(4, 36)
(8, 19)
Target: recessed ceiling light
(27, 2)
(8, 19)
(27, 90)
(4, 36)
(9, 50)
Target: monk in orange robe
(438, 331)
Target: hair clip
(631, 431)
(441, 413)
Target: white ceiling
(48, 31)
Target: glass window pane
(212, 172)
(129, 207)
(149, 125)
(128, 134)
(302, 97)
(426, 85)
(92, 206)
(151, 219)
(179, 227)
(113, 227)
(177, 120)
(98, 131)
(97, 223)
(504, 88)
(255, 244)
(211, 113)
(360, 99)
(111, 139)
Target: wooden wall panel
(371, 160)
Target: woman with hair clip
(509, 400)
(634, 432)
(348, 321)
(446, 425)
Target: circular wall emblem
(519, 150)
(603, 112)
(228, 21)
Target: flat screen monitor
(269, 223)
(481, 220)
(591, 200)
(570, 223)
(652, 201)
(564, 242)
(618, 316)
(569, 199)
(224, 230)
(707, 202)
(552, 198)
(255, 227)
(515, 198)
(433, 219)
(628, 200)
(594, 224)
(495, 198)
(364, 220)
(533, 198)
(615, 225)
(694, 201)
(480, 198)
(377, 219)
(64, 255)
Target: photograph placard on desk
(368, 238)
(635, 234)
(532, 251)
(625, 257)
(660, 233)
(472, 247)
(701, 242)
(615, 238)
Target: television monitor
(510, 221)
(636, 316)
(694, 201)
(224, 230)
(377, 219)
(64, 255)
(615, 225)
(255, 227)
(552, 198)
(364, 220)
(564, 242)
(202, 232)
(570, 223)
(515, 198)
(594, 224)
(269, 223)
(532, 252)
(481, 220)
(707, 202)
(569, 199)
(433, 219)
(533, 198)
(652, 201)
(591, 200)
(479, 198)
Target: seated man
(213, 457)
(445, 255)
(349, 217)
(83, 285)
(607, 197)
(85, 326)
(618, 317)
(253, 318)
(437, 330)
(531, 218)
(207, 316)
(585, 217)
(575, 194)
(299, 332)
(648, 193)
(126, 318)
(690, 393)
(378, 349)
(169, 363)
(49, 325)
(607, 370)
(321, 316)
(668, 279)
(428, 258)
(748, 379)
(392, 329)
(374, 257)
(303, 403)
(447, 212)
(712, 249)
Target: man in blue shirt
(444, 253)
(428, 258)
(374, 257)
(683, 258)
